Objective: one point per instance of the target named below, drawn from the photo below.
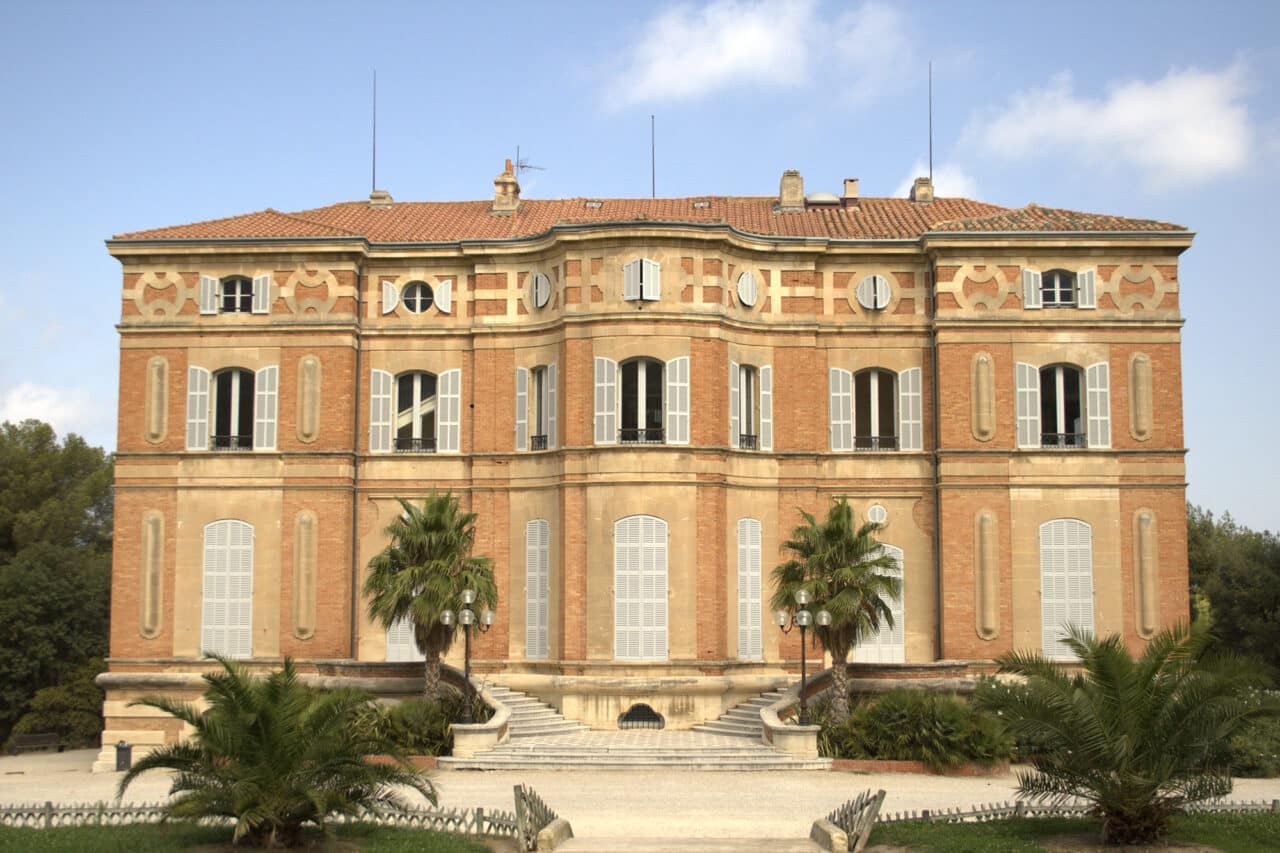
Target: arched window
(640, 588)
(750, 594)
(416, 412)
(1066, 583)
(1058, 289)
(235, 295)
(887, 645)
(417, 296)
(233, 409)
(641, 404)
(875, 409)
(402, 646)
(1061, 406)
(537, 573)
(226, 625)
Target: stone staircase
(743, 719)
(541, 739)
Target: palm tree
(846, 573)
(274, 754)
(423, 572)
(1139, 739)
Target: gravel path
(607, 804)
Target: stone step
(575, 762)
(719, 727)
(558, 727)
(702, 845)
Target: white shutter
(444, 296)
(1030, 289)
(734, 379)
(449, 411)
(1028, 405)
(208, 294)
(537, 540)
(1086, 281)
(766, 408)
(197, 408)
(650, 280)
(678, 400)
(606, 401)
(402, 646)
(631, 280)
(749, 590)
(1098, 403)
(549, 406)
(262, 294)
(653, 569)
(640, 588)
(266, 395)
(747, 289)
(227, 590)
(886, 644)
(840, 383)
(1066, 583)
(380, 416)
(522, 408)
(910, 419)
(390, 297)
(626, 588)
(866, 292)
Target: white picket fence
(1002, 811)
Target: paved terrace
(606, 803)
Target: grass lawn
(1255, 833)
(180, 836)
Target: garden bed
(163, 838)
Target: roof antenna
(653, 163)
(931, 122)
(375, 132)
(523, 164)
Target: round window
(877, 514)
(540, 287)
(873, 292)
(417, 296)
(747, 288)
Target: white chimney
(791, 192)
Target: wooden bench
(34, 743)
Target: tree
(1237, 571)
(846, 573)
(274, 754)
(72, 710)
(1138, 739)
(423, 572)
(55, 561)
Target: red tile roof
(430, 222)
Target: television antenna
(523, 165)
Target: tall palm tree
(846, 573)
(275, 754)
(423, 572)
(1139, 739)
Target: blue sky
(125, 116)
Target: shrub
(1254, 751)
(72, 710)
(940, 730)
(422, 726)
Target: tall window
(235, 295)
(642, 381)
(748, 407)
(537, 572)
(1058, 289)
(402, 646)
(536, 407)
(887, 645)
(233, 410)
(640, 588)
(1066, 583)
(750, 594)
(1061, 407)
(226, 625)
(875, 412)
(416, 412)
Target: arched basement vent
(641, 716)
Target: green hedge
(422, 726)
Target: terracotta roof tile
(429, 222)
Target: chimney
(850, 189)
(922, 191)
(506, 191)
(380, 198)
(791, 192)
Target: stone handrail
(470, 738)
(797, 740)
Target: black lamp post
(467, 617)
(803, 618)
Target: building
(637, 396)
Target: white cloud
(1188, 127)
(949, 180)
(686, 52)
(67, 410)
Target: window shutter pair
(765, 376)
(537, 540)
(749, 590)
(266, 406)
(442, 296)
(641, 280)
(448, 411)
(1066, 583)
(1086, 289)
(548, 404)
(677, 401)
(1097, 404)
(227, 590)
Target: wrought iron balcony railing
(537, 442)
(642, 435)
(231, 443)
(1066, 440)
(875, 442)
(415, 445)
(747, 441)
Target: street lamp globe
(802, 597)
(446, 618)
(824, 618)
(467, 617)
(468, 596)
